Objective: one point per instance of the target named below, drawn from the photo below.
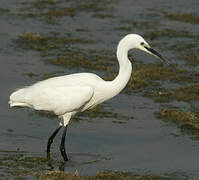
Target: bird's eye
(142, 43)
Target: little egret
(66, 95)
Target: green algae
(184, 17)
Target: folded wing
(57, 99)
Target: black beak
(155, 53)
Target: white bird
(66, 95)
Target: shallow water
(142, 142)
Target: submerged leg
(50, 140)
(62, 145)
(66, 119)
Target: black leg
(62, 145)
(50, 140)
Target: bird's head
(138, 42)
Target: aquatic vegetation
(124, 28)
(34, 41)
(43, 42)
(4, 10)
(106, 175)
(90, 60)
(185, 93)
(159, 95)
(31, 36)
(188, 122)
(64, 11)
(140, 24)
(30, 74)
(192, 58)
(100, 176)
(184, 17)
(168, 33)
(99, 111)
(145, 75)
(183, 47)
(172, 41)
(103, 16)
(51, 10)
(46, 10)
(80, 60)
(49, 75)
(19, 165)
(42, 3)
(82, 30)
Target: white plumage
(69, 94)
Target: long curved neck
(125, 68)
